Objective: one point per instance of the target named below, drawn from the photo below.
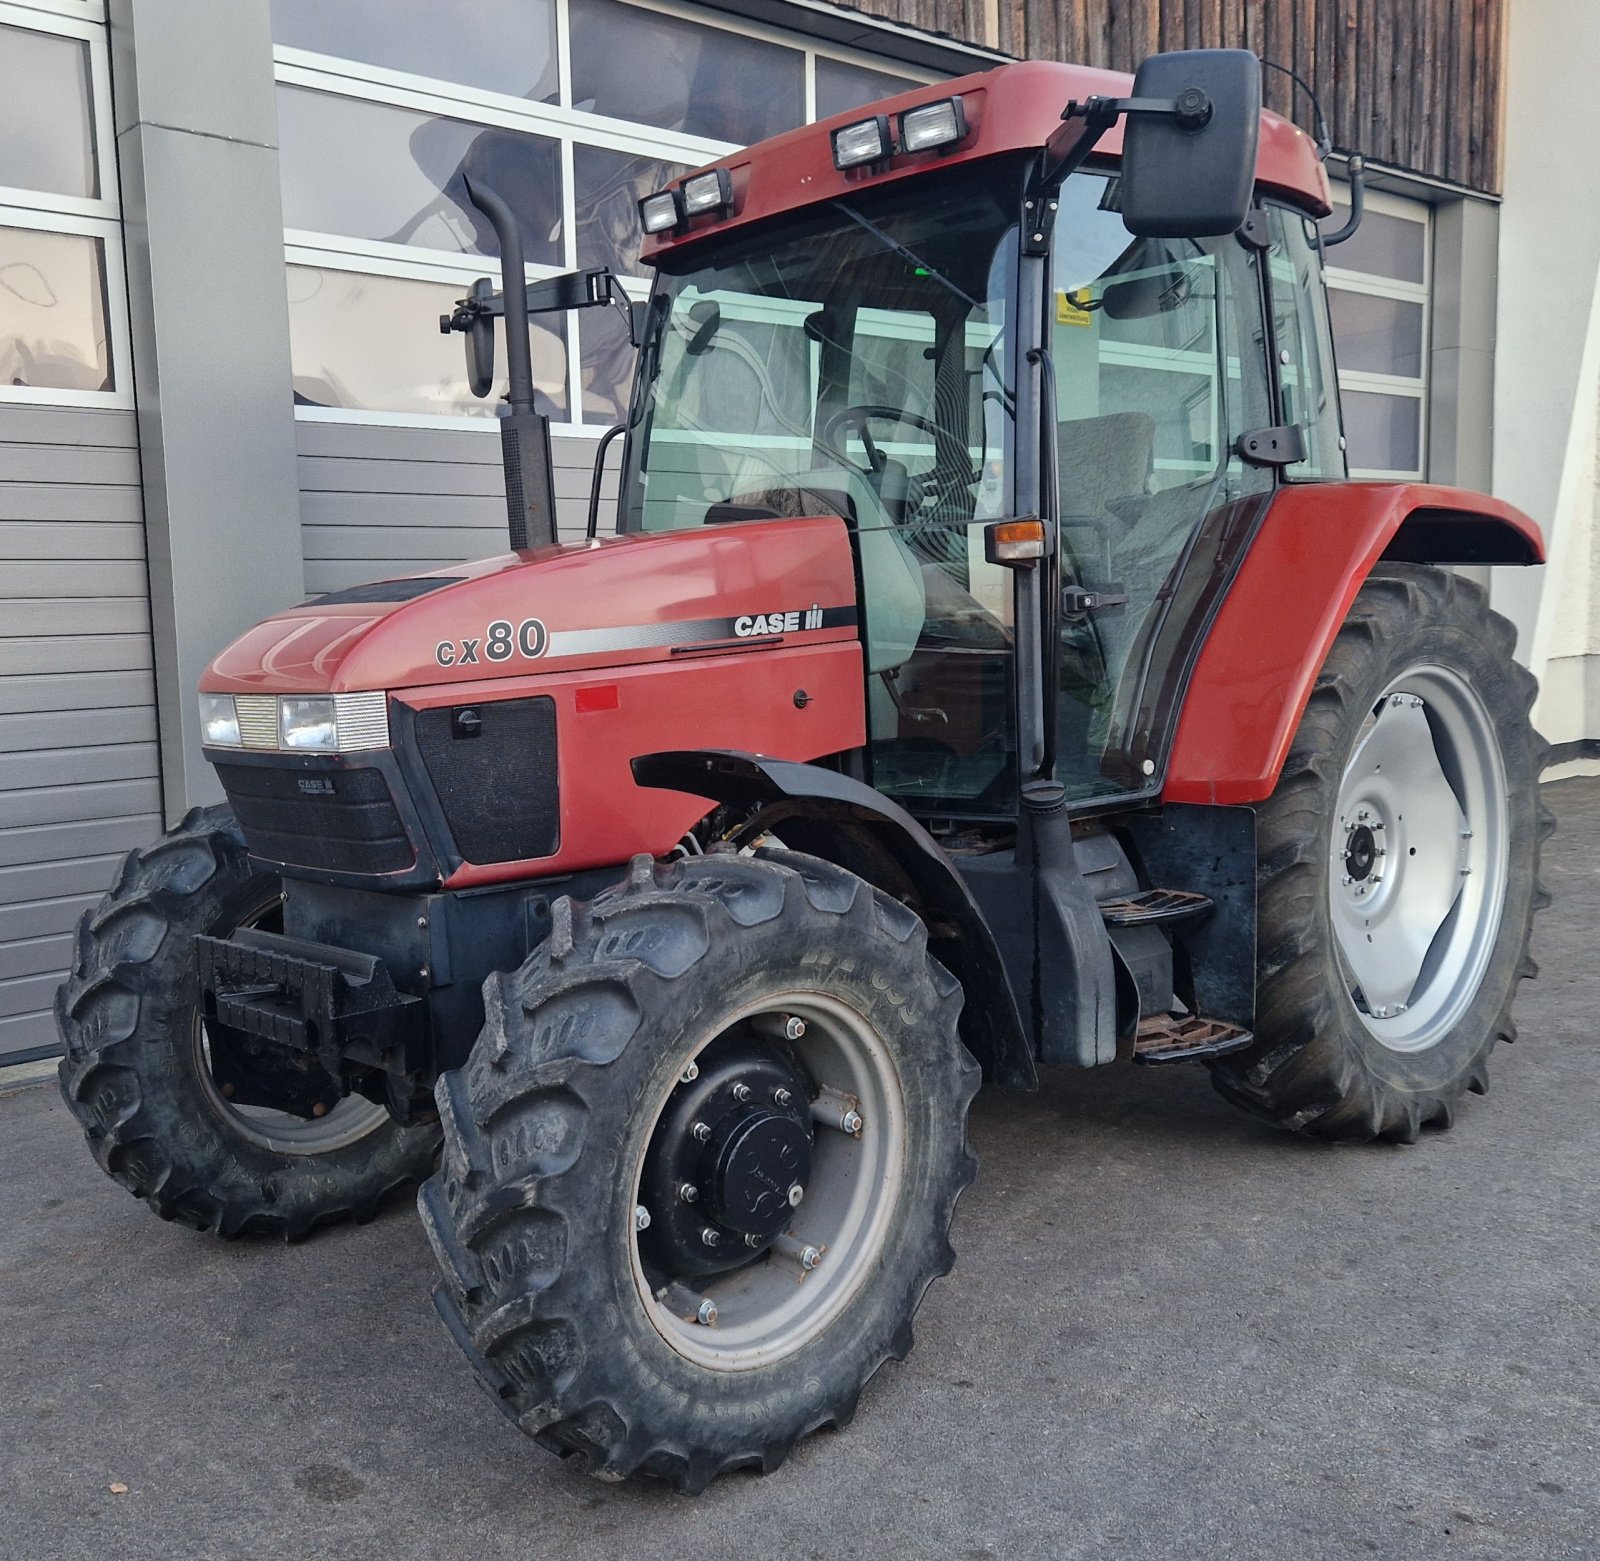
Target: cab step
(1186, 1038)
(1153, 905)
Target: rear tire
(552, 1127)
(136, 1076)
(1419, 646)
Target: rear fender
(828, 815)
(1317, 544)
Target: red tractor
(991, 667)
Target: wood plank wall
(1411, 83)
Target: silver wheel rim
(351, 1120)
(774, 1306)
(1419, 854)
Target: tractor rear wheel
(1397, 870)
(701, 1165)
(142, 1064)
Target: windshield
(854, 360)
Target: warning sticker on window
(1070, 308)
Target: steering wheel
(858, 417)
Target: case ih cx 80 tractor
(991, 666)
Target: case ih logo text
(498, 642)
(778, 622)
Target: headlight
(308, 723)
(219, 721)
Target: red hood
(618, 602)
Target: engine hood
(615, 602)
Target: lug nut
(707, 1313)
(709, 1237)
(741, 1093)
(689, 1074)
(793, 1028)
(753, 1241)
(641, 1218)
(836, 1110)
(781, 1097)
(796, 1193)
(801, 1252)
(688, 1192)
(700, 1132)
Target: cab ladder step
(1153, 905)
(1165, 1038)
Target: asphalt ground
(1170, 1333)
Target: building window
(1379, 293)
(63, 339)
(571, 109)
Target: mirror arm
(1065, 153)
(1358, 204)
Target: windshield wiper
(906, 254)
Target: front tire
(137, 1069)
(1397, 870)
(671, 1034)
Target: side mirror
(480, 341)
(1191, 174)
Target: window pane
(46, 122)
(369, 171)
(1305, 345)
(841, 87)
(1377, 335)
(499, 45)
(608, 359)
(1382, 246)
(53, 311)
(607, 188)
(373, 343)
(677, 75)
(1385, 432)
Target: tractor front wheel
(701, 1164)
(1398, 870)
(160, 1090)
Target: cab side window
(1307, 381)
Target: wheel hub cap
(1418, 853)
(762, 1154)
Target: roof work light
(659, 212)
(708, 192)
(866, 142)
(932, 125)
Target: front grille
(343, 821)
(499, 787)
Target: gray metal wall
(78, 760)
(378, 501)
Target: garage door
(78, 770)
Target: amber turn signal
(1014, 542)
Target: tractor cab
(935, 356)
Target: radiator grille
(343, 821)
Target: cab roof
(1009, 109)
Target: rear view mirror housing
(1191, 174)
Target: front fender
(1317, 544)
(845, 822)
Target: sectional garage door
(78, 768)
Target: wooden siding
(79, 779)
(1411, 83)
(378, 501)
